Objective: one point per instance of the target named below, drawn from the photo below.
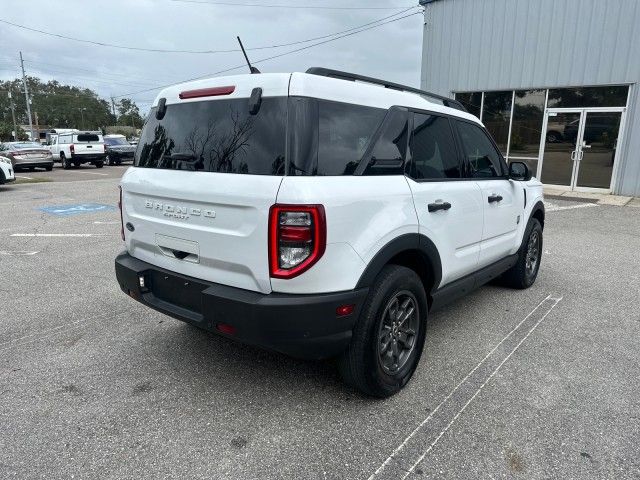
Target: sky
(391, 51)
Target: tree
(129, 113)
(6, 132)
(57, 105)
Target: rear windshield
(116, 141)
(217, 136)
(325, 137)
(87, 137)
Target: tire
(553, 137)
(99, 164)
(32, 169)
(48, 168)
(76, 164)
(524, 273)
(365, 365)
(66, 164)
(108, 161)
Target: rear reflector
(344, 310)
(226, 328)
(207, 92)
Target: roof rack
(353, 77)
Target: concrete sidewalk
(599, 198)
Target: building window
(472, 101)
(526, 129)
(496, 116)
(583, 97)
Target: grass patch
(32, 180)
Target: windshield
(116, 141)
(216, 136)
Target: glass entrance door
(559, 152)
(598, 149)
(580, 147)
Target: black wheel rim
(533, 253)
(397, 334)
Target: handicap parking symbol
(76, 209)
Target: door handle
(581, 155)
(494, 198)
(434, 207)
(573, 155)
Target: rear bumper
(85, 158)
(33, 163)
(304, 326)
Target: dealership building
(556, 82)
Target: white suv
(321, 214)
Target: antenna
(251, 68)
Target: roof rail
(353, 77)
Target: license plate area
(176, 290)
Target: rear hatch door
(88, 144)
(204, 177)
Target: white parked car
(77, 147)
(7, 175)
(321, 215)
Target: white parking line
(17, 253)
(421, 426)
(106, 223)
(551, 207)
(22, 176)
(94, 173)
(61, 234)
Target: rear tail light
(297, 238)
(121, 220)
(72, 148)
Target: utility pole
(37, 126)
(26, 96)
(113, 107)
(13, 116)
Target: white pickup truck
(76, 148)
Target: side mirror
(519, 171)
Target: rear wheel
(76, 164)
(389, 336)
(108, 161)
(99, 164)
(66, 164)
(524, 273)
(48, 168)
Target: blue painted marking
(76, 209)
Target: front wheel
(524, 273)
(99, 164)
(389, 336)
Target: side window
(484, 159)
(433, 149)
(388, 154)
(344, 133)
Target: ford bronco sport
(321, 214)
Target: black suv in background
(117, 149)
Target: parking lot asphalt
(83, 172)
(535, 384)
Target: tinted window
(483, 158)
(344, 132)
(388, 154)
(216, 136)
(471, 101)
(610, 96)
(87, 137)
(496, 115)
(433, 150)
